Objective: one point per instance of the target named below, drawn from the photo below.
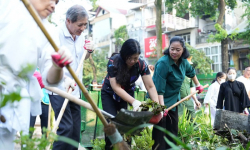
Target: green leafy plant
(144, 141)
(98, 144)
(152, 106)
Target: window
(186, 37)
(214, 53)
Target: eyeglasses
(134, 59)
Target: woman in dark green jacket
(170, 71)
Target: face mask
(222, 81)
(231, 76)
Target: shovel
(125, 119)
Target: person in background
(151, 69)
(232, 95)
(170, 71)
(245, 79)
(119, 85)
(212, 95)
(186, 88)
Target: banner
(150, 45)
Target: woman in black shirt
(119, 84)
(234, 94)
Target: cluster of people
(232, 95)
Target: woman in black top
(234, 93)
(119, 84)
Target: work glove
(136, 104)
(156, 118)
(89, 46)
(246, 111)
(206, 111)
(112, 133)
(39, 78)
(62, 58)
(200, 89)
(68, 82)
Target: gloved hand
(62, 58)
(200, 89)
(246, 111)
(68, 82)
(112, 133)
(206, 111)
(136, 104)
(89, 46)
(39, 78)
(156, 118)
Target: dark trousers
(70, 124)
(43, 118)
(170, 123)
(111, 106)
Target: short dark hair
(76, 12)
(185, 53)
(219, 75)
(230, 69)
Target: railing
(201, 39)
(170, 21)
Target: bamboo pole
(185, 98)
(36, 17)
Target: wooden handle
(185, 98)
(36, 17)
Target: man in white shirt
(70, 34)
(245, 79)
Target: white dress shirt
(212, 94)
(245, 81)
(76, 49)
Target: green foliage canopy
(121, 35)
(200, 61)
(101, 66)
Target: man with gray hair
(70, 35)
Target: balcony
(103, 41)
(170, 22)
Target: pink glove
(62, 57)
(165, 113)
(200, 89)
(89, 46)
(39, 78)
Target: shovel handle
(36, 17)
(182, 100)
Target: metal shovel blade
(126, 120)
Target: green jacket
(185, 91)
(168, 78)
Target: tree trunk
(93, 67)
(224, 54)
(224, 42)
(158, 4)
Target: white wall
(101, 29)
(118, 20)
